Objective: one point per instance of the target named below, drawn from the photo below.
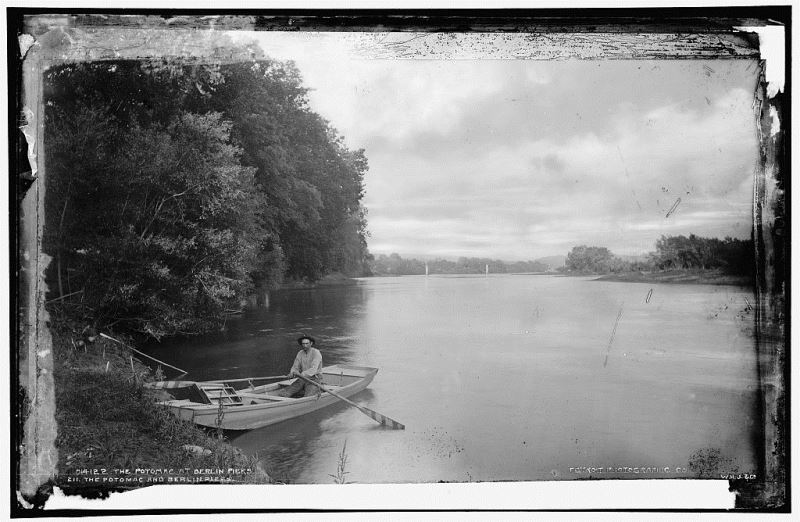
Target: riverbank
(334, 279)
(685, 276)
(112, 437)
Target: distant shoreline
(457, 274)
(686, 276)
(342, 280)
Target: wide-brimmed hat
(300, 340)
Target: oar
(252, 379)
(381, 419)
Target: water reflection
(262, 341)
(287, 449)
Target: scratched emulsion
(613, 333)
(508, 377)
(674, 207)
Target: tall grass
(341, 472)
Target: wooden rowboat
(215, 404)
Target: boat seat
(262, 397)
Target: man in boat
(308, 363)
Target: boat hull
(255, 412)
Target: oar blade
(382, 419)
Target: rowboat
(217, 404)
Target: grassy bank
(110, 430)
(685, 276)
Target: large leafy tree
(156, 233)
(590, 259)
(735, 256)
(312, 183)
(176, 190)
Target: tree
(162, 242)
(175, 190)
(734, 256)
(589, 259)
(312, 183)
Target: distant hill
(553, 261)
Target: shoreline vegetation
(111, 437)
(334, 279)
(680, 276)
(677, 259)
(395, 264)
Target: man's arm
(296, 366)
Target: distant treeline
(732, 256)
(384, 265)
(175, 191)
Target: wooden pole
(143, 354)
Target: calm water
(506, 377)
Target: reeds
(339, 477)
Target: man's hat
(300, 339)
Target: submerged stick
(184, 372)
(377, 417)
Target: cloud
(517, 159)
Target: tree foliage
(735, 256)
(176, 190)
(732, 256)
(590, 259)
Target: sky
(519, 159)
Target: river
(505, 377)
